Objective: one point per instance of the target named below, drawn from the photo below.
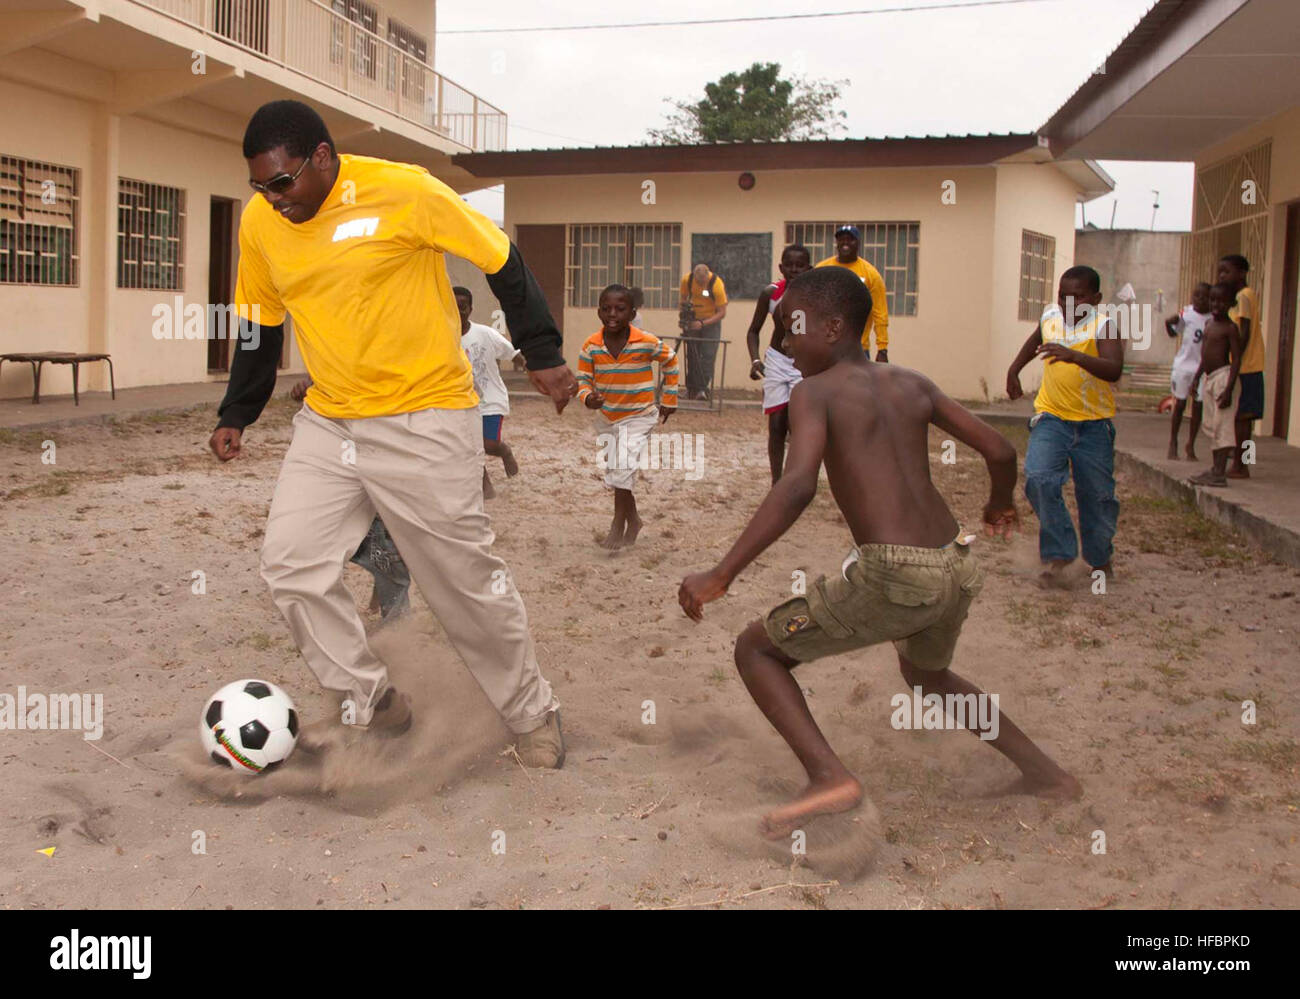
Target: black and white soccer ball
(249, 725)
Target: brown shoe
(392, 715)
(544, 746)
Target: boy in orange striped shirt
(616, 377)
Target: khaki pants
(422, 473)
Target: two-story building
(121, 173)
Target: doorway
(221, 255)
(1286, 324)
(545, 249)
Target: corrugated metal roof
(1133, 46)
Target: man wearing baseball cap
(847, 241)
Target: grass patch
(1280, 755)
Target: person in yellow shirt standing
(703, 306)
(1072, 429)
(1234, 270)
(848, 240)
(352, 247)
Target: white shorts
(1180, 383)
(779, 380)
(621, 444)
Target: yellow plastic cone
(48, 851)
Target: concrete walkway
(97, 407)
(1265, 508)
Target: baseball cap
(852, 230)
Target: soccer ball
(249, 725)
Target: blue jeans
(1086, 448)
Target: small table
(59, 357)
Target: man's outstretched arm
(533, 329)
(252, 375)
(252, 382)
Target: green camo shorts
(916, 598)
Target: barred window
(1037, 266)
(892, 248)
(406, 69)
(644, 256)
(150, 235)
(39, 229)
(365, 54)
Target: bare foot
(512, 466)
(632, 530)
(614, 539)
(1238, 472)
(1062, 787)
(1053, 576)
(840, 795)
(1173, 452)
(1190, 452)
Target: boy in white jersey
(1191, 324)
(777, 370)
(484, 347)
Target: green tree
(756, 105)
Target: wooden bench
(59, 357)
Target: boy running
(615, 377)
(1191, 324)
(484, 347)
(776, 369)
(911, 577)
(1072, 429)
(1221, 357)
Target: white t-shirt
(484, 347)
(1191, 324)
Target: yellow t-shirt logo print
(356, 227)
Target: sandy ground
(1138, 692)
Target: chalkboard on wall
(742, 259)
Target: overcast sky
(984, 69)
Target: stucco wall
(1039, 198)
(947, 338)
(1149, 261)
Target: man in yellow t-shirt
(706, 295)
(1234, 270)
(352, 247)
(1072, 430)
(848, 240)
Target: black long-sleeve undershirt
(532, 328)
(252, 375)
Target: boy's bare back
(870, 424)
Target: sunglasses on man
(281, 182)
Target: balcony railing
(310, 38)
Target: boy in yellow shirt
(1234, 270)
(1072, 429)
